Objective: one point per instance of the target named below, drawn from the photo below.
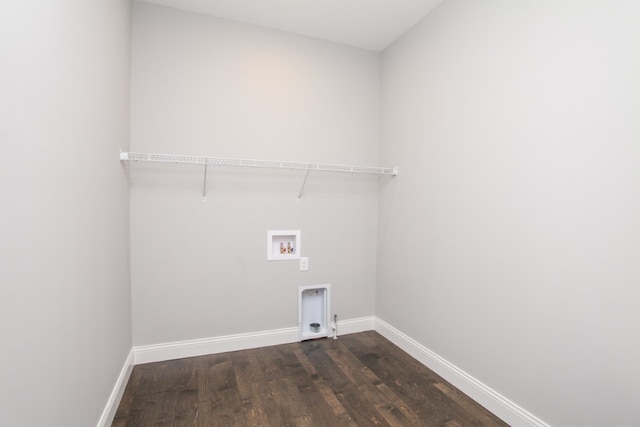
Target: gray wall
(65, 299)
(509, 243)
(205, 86)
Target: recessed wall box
(283, 244)
(314, 306)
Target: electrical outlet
(304, 263)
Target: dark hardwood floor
(357, 380)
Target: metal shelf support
(303, 184)
(204, 185)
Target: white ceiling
(367, 24)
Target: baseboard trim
(222, 344)
(352, 326)
(496, 403)
(109, 412)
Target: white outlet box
(283, 244)
(304, 263)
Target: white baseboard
(109, 412)
(352, 326)
(222, 344)
(496, 403)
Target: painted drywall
(509, 243)
(65, 303)
(210, 87)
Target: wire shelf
(252, 163)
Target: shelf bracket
(303, 184)
(204, 185)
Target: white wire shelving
(253, 163)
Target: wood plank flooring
(357, 380)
